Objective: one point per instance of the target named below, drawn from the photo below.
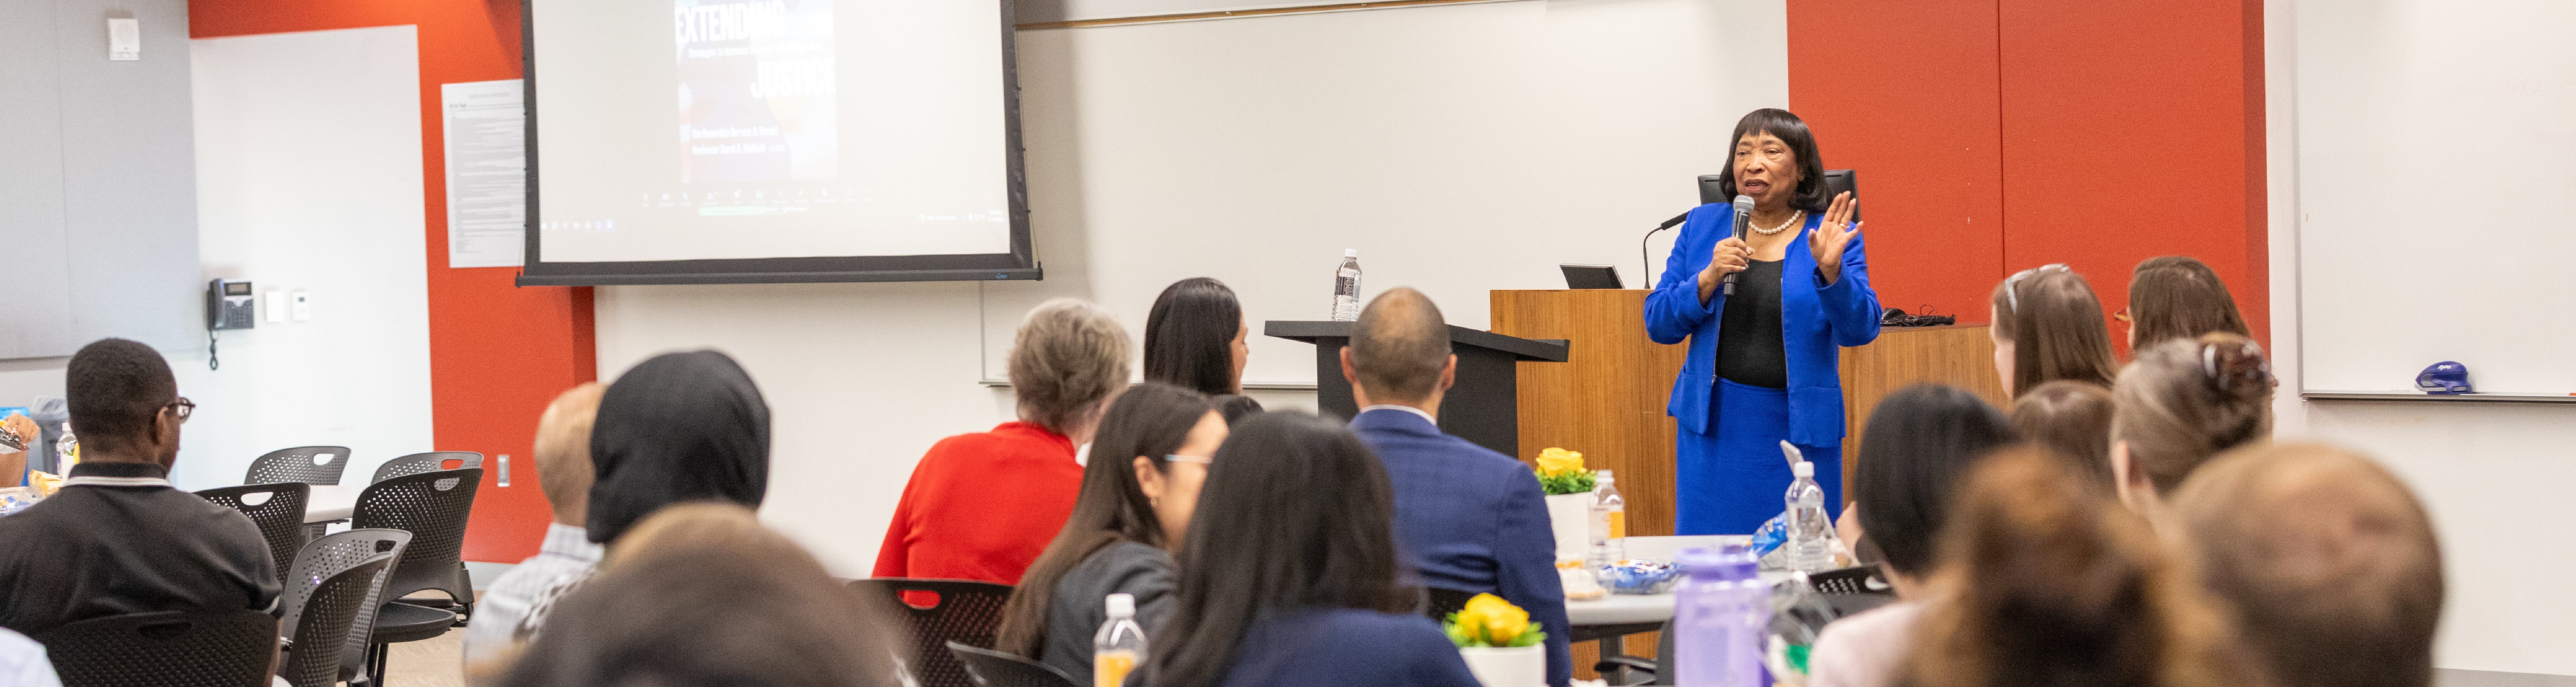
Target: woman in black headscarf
(679, 427)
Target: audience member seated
(983, 506)
(1921, 441)
(2072, 419)
(2178, 297)
(2327, 561)
(1130, 515)
(1195, 338)
(566, 554)
(1467, 518)
(2045, 582)
(677, 428)
(1289, 573)
(117, 539)
(2180, 403)
(2048, 326)
(702, 594)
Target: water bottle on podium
(1346, 287)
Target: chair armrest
(1644, 665)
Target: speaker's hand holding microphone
(1730, 256)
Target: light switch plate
(303, 305)
(274, 302)
(124, 39)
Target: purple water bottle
(1719, 617)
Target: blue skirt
(1731, 480)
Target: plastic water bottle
(1811, 539)
(1609, 522)
(1721, 616)
(1346, 287)
(1119, 645)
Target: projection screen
(751, 141)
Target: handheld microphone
(1743, 221)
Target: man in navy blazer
(1467, 518)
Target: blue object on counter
(1773, 533)
(1640, 577)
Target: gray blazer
(1080, 603)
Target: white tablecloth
(330, 502)
(1616, 609)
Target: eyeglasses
(1202, 460)
(181, 408)
(2122, 315)
(2012, 295)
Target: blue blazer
(1345, 647)
(1472, 520)
(1815, 318)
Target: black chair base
(402, 622)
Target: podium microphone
(1649, 258)
(1743, 221)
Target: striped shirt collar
(105, 474)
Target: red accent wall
(497, 354)
(2093, 134)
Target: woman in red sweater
(982, 506)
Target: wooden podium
(1607, 400)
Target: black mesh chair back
(1861, 579)
(329, 621)
(165, 649)
(1439, 603)
(426, 462)
(963, 611)
(278, 510)
(318, 563)
(432, 506)
(307, 464)
(991, 668)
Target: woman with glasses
(1765, 356)
(2047, 327)
(1130, 516)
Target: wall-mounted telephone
(229, 305)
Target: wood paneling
(1962, 356)
(1607, 399)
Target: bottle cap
(1803, 469)
(1122, 606)
(1350, 252)
(1602, 476)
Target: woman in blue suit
(1764, 363)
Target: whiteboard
(1460, 148)
(2436, 168)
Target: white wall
(2495, 476)
(308, 165)
(1473, 147)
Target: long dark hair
(1150, 420)
(1802, 144)
(1189, 336)
(1296, 514)
(1920, 443)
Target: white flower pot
(1570, 515)
(1520, 666)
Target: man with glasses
(117, 539)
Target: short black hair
(1920, 443)
(115, 387)
(1189, 336)
(1399, 346)
(1811, 194)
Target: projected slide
(762, 129)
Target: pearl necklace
(1794, 218)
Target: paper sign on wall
(487, 173)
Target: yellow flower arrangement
(1489, 621)
(1561, 472)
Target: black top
(1081, 602)
(1751, 349)
(131, 544)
